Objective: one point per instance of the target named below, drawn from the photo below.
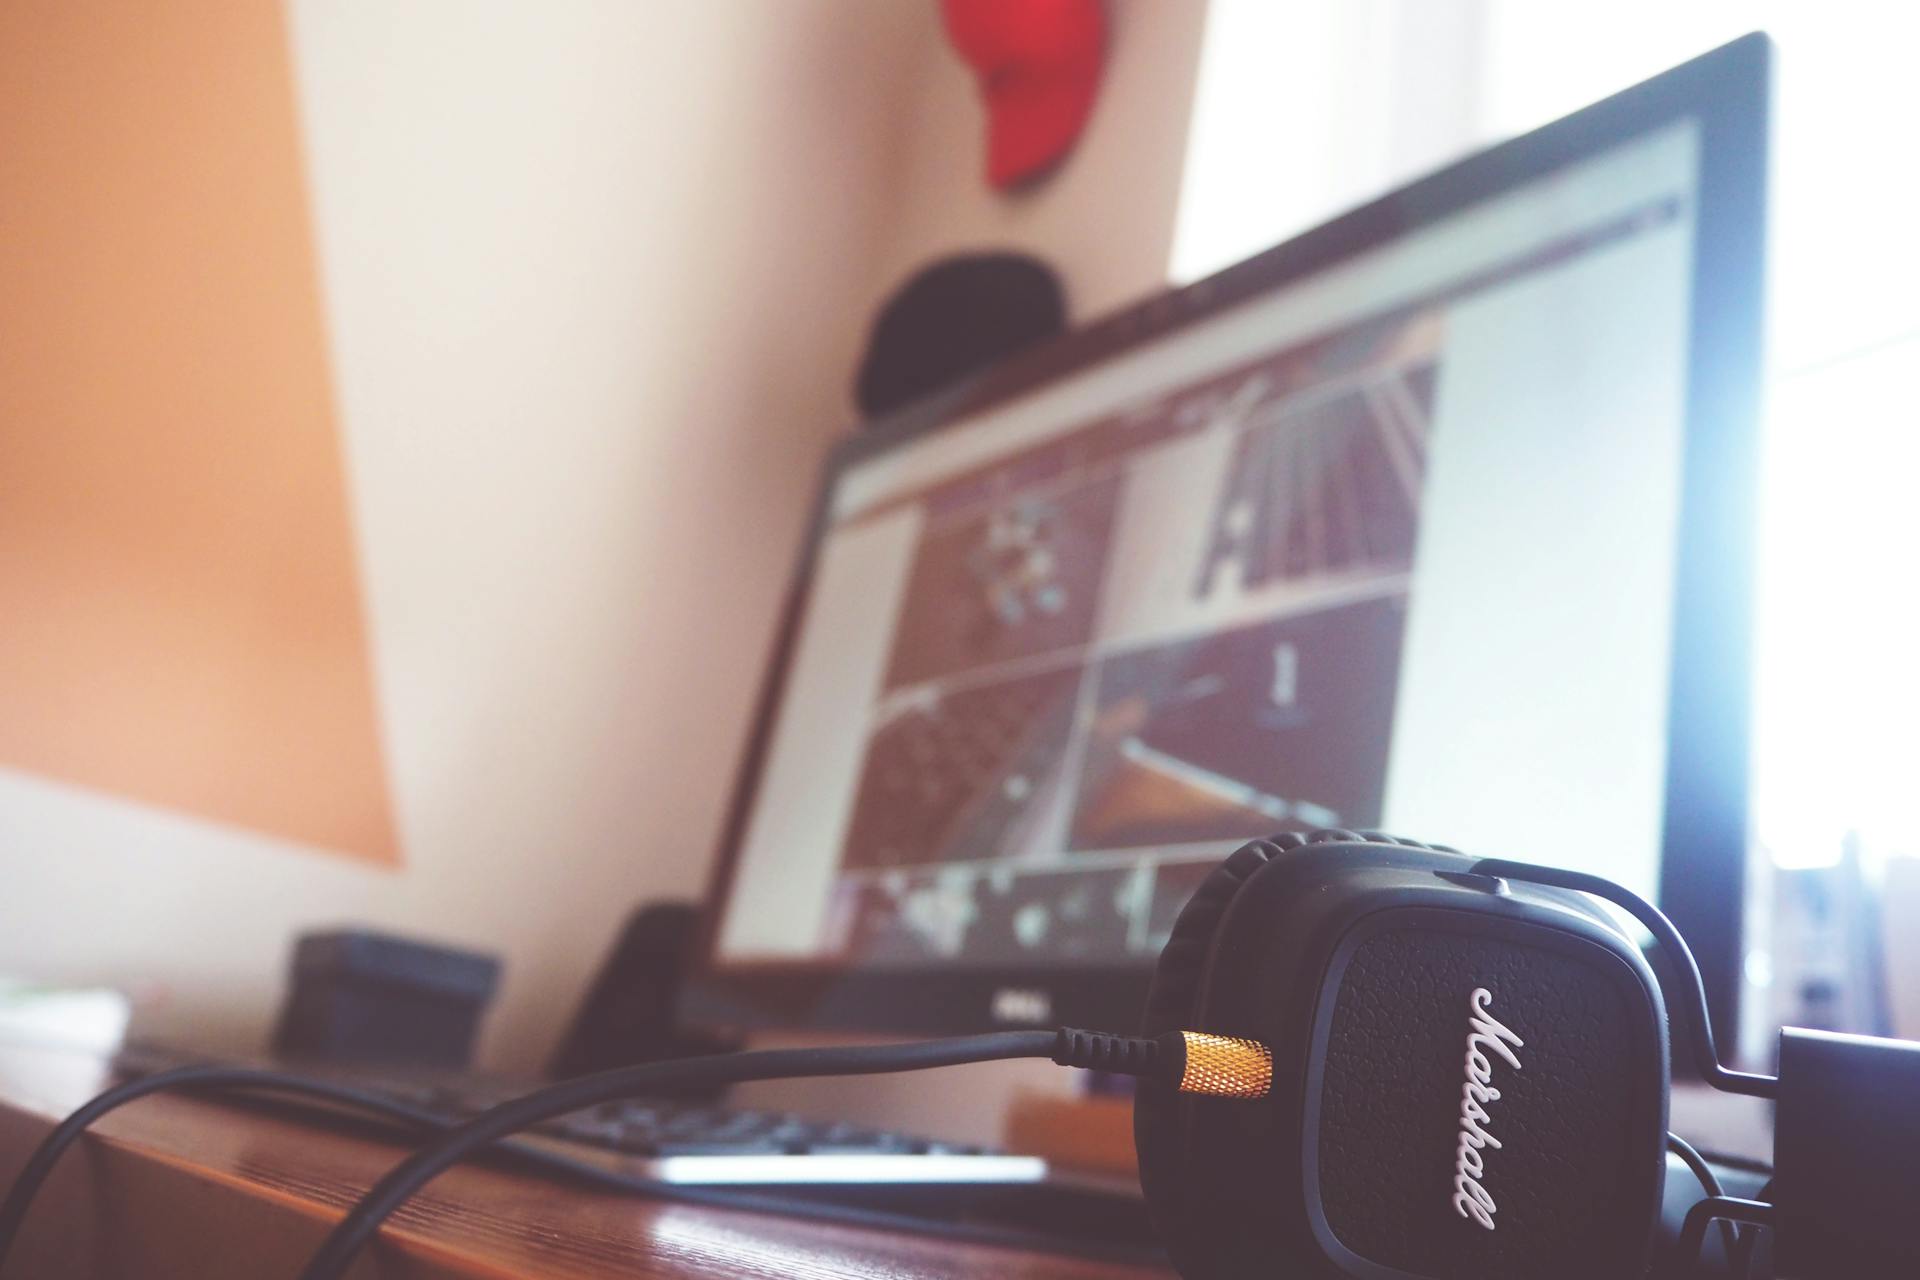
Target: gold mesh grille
(1226, 1066)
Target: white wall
(594, 275)
(1105, 221)
(1308, 108)
(1105, 218)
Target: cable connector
(1224, 1066)
(1190, 1061)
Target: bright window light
(1307, 107)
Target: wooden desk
(173, 1188)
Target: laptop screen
(1392, 546)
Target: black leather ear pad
(1182, 964)
(1172, 997)
(1176, 975)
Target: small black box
(359, 996)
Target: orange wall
(182, 619)
(594, 274)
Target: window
(1307, 107)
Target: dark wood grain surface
(178, 1187)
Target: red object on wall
(1038, 63)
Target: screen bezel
(1704, 850)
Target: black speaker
(630, 1013)
(357, 996)
(1470, 1073)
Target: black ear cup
(1157, 1140)
(1177, 973)
(1160, 1133)
(1176, 979)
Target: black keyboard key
(699, 1147)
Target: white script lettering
(1485, 1034)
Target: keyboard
(665, 1140)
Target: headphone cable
(266, 1085)
(1191, 1062)
(1730, 1233)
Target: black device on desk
(360, 996)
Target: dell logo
(1021, 1004)
(1484, 1033)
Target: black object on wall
(629, 1014)
(360, 996)
(952, 319)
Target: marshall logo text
(1484, 1033)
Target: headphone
(1365, 962)
(1471, 1077)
